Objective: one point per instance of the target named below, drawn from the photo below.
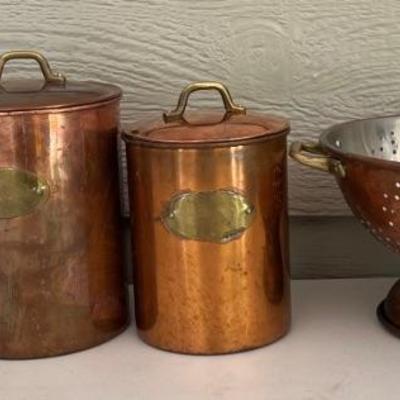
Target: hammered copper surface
(61, 281)
(199, 296)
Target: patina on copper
(61, 277)
(209, 221)
(364, 156)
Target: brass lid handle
(230, 106)
(49, 75)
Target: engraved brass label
(20, 192)
(217, 216)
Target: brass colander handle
(230, 106)
(300, 152)
(49, 75)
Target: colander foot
(385, 321)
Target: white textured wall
(317, 62)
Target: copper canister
(208, 200)
(61, 277)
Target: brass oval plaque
(216, 216)
(20, 192)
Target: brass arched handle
(320, 160)
(49, 75)
(230, 106)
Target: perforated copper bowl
(364, 156)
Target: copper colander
(364, 156)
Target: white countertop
(335, 350)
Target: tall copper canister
(208, 198)
(61, 277)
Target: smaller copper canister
(208, 197)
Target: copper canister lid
(54, 92)
(176, 129)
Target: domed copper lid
(54, 92)
(206, 129)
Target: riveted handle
(49, 75)
(230, 106)
(300, 151)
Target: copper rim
(131, 139)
